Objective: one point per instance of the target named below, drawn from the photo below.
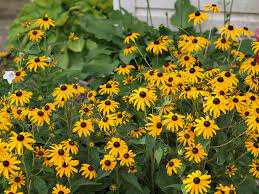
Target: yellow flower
(205, 126)
(215, 105)
(39, 117)
(70, 145)
(35, 35)
(37, 62)
(172, 166)
(108, 163)
(195, 152)
(130, 49)
(88, 171)
(212, 8)
(64, 91)
(19, 75)
(156, 47)
(155, 125)
(73, 36)
(67, 168)
(124, 69)
(8, 165)
(222, 44)
(254, 168)
(84, 127)
(127, 158)
(231, 170)
(18, 141)
(107, 122)
(131, 37)
(198, 17)
(45, 22)
(60, 189)
(246, 32)
(255, 47)
(173, 121)
(57, 154)
(17, 180)
(197, 183)
(111, 87)
(116, 146)
(21, 97)
(230, 31)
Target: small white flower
(9, 76)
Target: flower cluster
(166, 111)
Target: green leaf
(132, 181)
(76, 45)
(91, 44)
(63, 60)
(40, 185)
(173, 186)
(126, 58)
(102, 174)
(62, 18)
(158, 155)
(183, 9)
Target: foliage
(175, 89)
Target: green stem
(27, 175)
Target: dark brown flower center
(119, 115)
(196, 180)
(83, 124)
(108, 85)
(156, 42)
(235, 100)
(197, 13)
(19, 93)
(107, 102)
(20, 137)
(71, 143)
(40, 113)
(245, 28)
(123, 65)
(107, 162)
(63, 88)
(195, 150)
(192, 70)
(116, 144)
(126, 156)
(45, 18)
(105, 119)
(18, 73)
(223, 40)
(6, 163)
(40, 153)
(252, 97)
(142, 94)
(46, 107)
(159, 74)
(61, 152)
(206, 123)
(230, 27)
(90, 168)
(220, 79)
(35, 32)
(186, 58)
(216, 101)
(174, 118)
(17, 179)
(159, 125)
(194, 40)
(37, 60)
(187, 136)
(171, 164)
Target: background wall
(8, 11)
(244, 12)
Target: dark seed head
(197, 13)
(107, 102)
(257, 119)
(196, 180)
(216, 101)
(159, 125)
(213, 5)
(86, 109)
(6, 163)
(35, 32)
(108, 85)
(116, 144)
(257, 110)
(20, 137)
(71, 143)
(174, 118)
(194, 40)
(63, 88)
(220, 79)
(231, 192)
(64, 165)
(246, 113)
(61, 192)
(206, 123)
(17, 179)
(245, 28)
(170, 79)
(151, 73)
(83, 124)
(227, 74)
(61, 152)
(18, 73)
(123, 65)
(156, 42)
(252, 97)
(19, 93)
(256, 145)
(107, 162)
(142, 94)
(45, 18)
(119, 115)
(171, 164)
(230, 27)
(19, 112)
(235, 100)
(40, 153)
(186, 58)
(40, 113)
(223, 40)
(37, 60)
(221, 92)
(46, 107)
(126, 155)
(159, 74)
(186, 136)
(195, 150)
(105, 119)
(192, 70)
(90, 168)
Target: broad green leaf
(102, 174)
(62, 18)
(39, 185)
(63, 60)
(76, 45)
(158, 155)
(126, 58)
(183, 9)
(132, 181)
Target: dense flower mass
(183, 110)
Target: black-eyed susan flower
(116, 146)
(215, 105)
(45, 22)
(131, 37)
(196, 182)
(60, 189)
(127, 158)
(124, 69)
(107, 122)
(187, 61)
(138, 132)
(250, 65)
(143, 97)
(186, 137)
(107, 106)
(57, 154)
(5, 123)
(198, 17)
(168, 67)
(83, 126)
(206, 127)
(237, 102)
(26, 24)
(172, 166)
(40, 152)
(122, 118)
(19, 75)
(222, 44)
(35, 35)
(67, 168)
(252, 122)
(91, 95)
(231, 170)
(230, 189)
(132, 169)
(19, 141)
(255, 47)
(130, 49)
(173, 121)
(159, 78)
(88, 171)
(108, 163)
(193, 75)
(86, 109)
(12, 191)
(194, 44)
(64, 91)
(252, 146)
(254, 168)
(8, 164)
(37, 62)
(156, 47)
(20, 97)
(17, 180)
(155, 125)
(39, 117)
(245, 32)
(72, 36)
(212, 8)
(195, 152)
(230, 31)
(70, 145)
(111, 87)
